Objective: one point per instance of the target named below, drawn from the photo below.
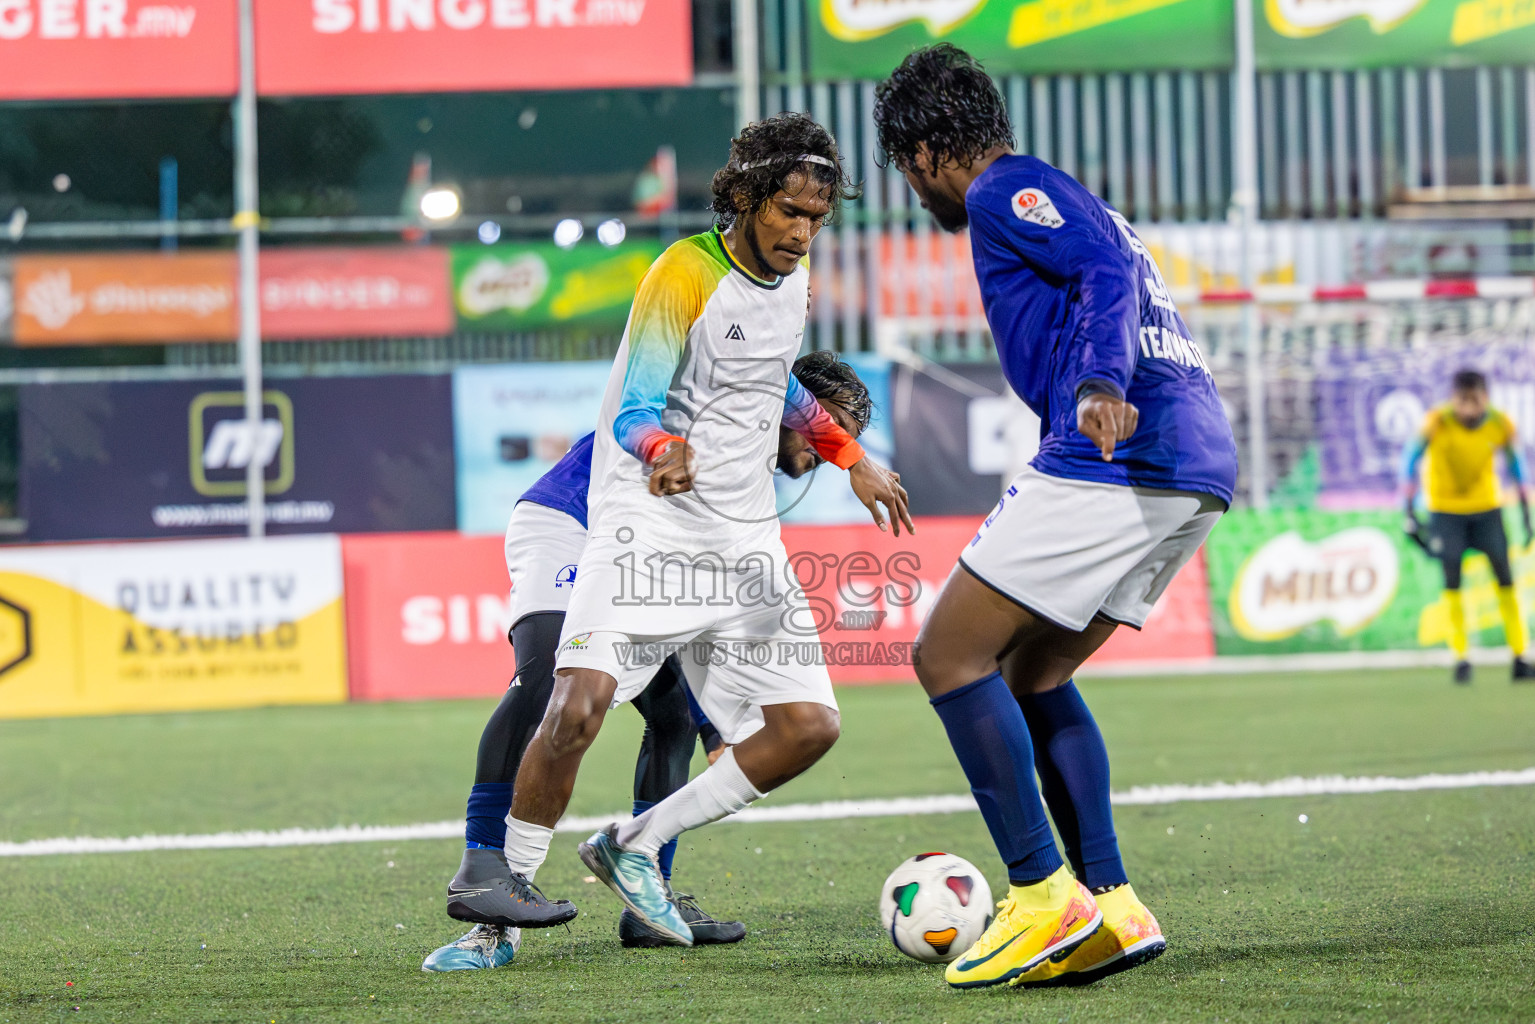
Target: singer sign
(333, 47)
(94, 49)
(99, 49)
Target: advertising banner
(340, 293)
(427, 616)
(1371, 402)
(111, 629)
(116, 49)
(868, 38)
(336, 47)
(1301, 581)
(870, 592)
(1385, 33)
(526, 287)
(511, 424)
(168, 459)
(960, 435)
(126, 297)
(161, 298)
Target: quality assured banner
(339, 454)
(868, 38)
(1302, 581)
(336, 47)
(117, 49)
(527, 287)
(113, 629)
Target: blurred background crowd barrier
(457, 199)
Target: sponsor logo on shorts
(1034, 206)
(579, 642)
(566, 577)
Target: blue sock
(666, 853)
(1073, 766)
(489, 804)
(987, 731)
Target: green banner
(1384, 33)
(540, 285)
(868, 38)
(1298, 581)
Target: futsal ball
(934, 906)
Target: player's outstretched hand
(672, 472)
(875, 485)
(1106, 420)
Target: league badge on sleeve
(1033, 205)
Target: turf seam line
(1336, 785)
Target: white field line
(1291, 787)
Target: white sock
(722, 789)
(527, 846)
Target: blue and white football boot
(636, 879)
(484, 946)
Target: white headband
(803, 158)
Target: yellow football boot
(1130, 936)
(1034, 923)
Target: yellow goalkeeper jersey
(1462, 475)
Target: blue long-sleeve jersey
(1076, 302)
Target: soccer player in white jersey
(683, 551)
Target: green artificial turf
(1384, 907)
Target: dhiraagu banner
(868, 38)
(187, 625)
(538, 285)
(1292, 581)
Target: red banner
(426, 616)
(337, 47)
(426, 613)
(97, 49)
(337, 293)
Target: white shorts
(543, 547)
(745, 638)
(1072, 549)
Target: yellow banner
(108, 629)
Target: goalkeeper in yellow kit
(1460, 440)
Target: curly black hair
(826, 376)
(1468, 380)
(941, 96)
(765, 153)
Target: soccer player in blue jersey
(544, 539)
(1136, 463)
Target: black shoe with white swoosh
(487, 891)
